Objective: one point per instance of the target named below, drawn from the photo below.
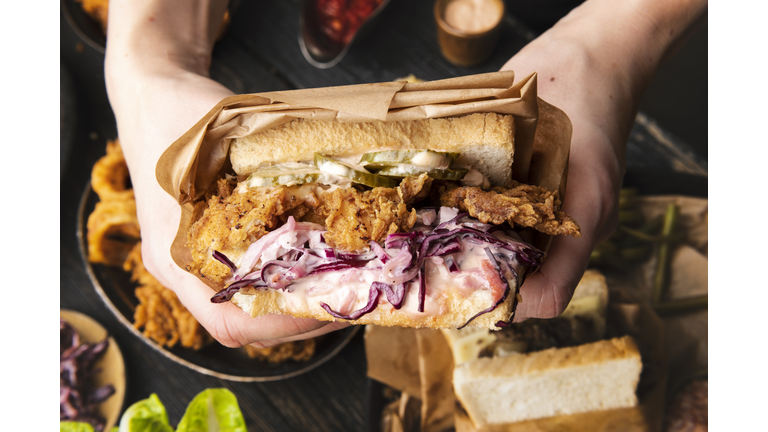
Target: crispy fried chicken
(524, 205)
(234, 220)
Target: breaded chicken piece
(234, 220)
(524, 205)
(356, 218)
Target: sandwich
(544, 368)
(413, 223)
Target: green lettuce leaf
(71, 426)
(146, 415)
(213, 410)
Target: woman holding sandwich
(594, 64)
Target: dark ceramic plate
(116, 289)
(86, 28)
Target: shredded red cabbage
(220, 257)
(395, 295)
(401, 260)
(78, 401)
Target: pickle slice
(406, 170)
(424, 158)
(355, 173)
(289, 174)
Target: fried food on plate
(109, 177)
(114, 239)
(159, 312)
(113, 229)
(302, 350)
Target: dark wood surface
(260, 52)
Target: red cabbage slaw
(78, 401)
(298, 249)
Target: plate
(116, 289)
(111, 364)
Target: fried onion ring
(113, 229)
(109, 177)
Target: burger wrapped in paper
(396, 204)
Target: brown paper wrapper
(192, 164)
(440, 411)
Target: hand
(158, 91)
(595, 64)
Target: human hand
(595, 65)
(156, 72)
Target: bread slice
(486, 142)
(596, 376)
(447, 310)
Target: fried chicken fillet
(522, 204)
(237, 217)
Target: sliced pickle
(355, 173)
(405, 170)
(285, 175)
(423, 158)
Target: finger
(547, 292)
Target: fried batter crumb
(301, 350)
(233, 221)
(522, 204)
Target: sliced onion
(427, 216)
(380, 252)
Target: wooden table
(260, 52)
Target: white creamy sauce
(472, 16)
(475, 178)
(428, 159)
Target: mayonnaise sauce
(472, 16)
